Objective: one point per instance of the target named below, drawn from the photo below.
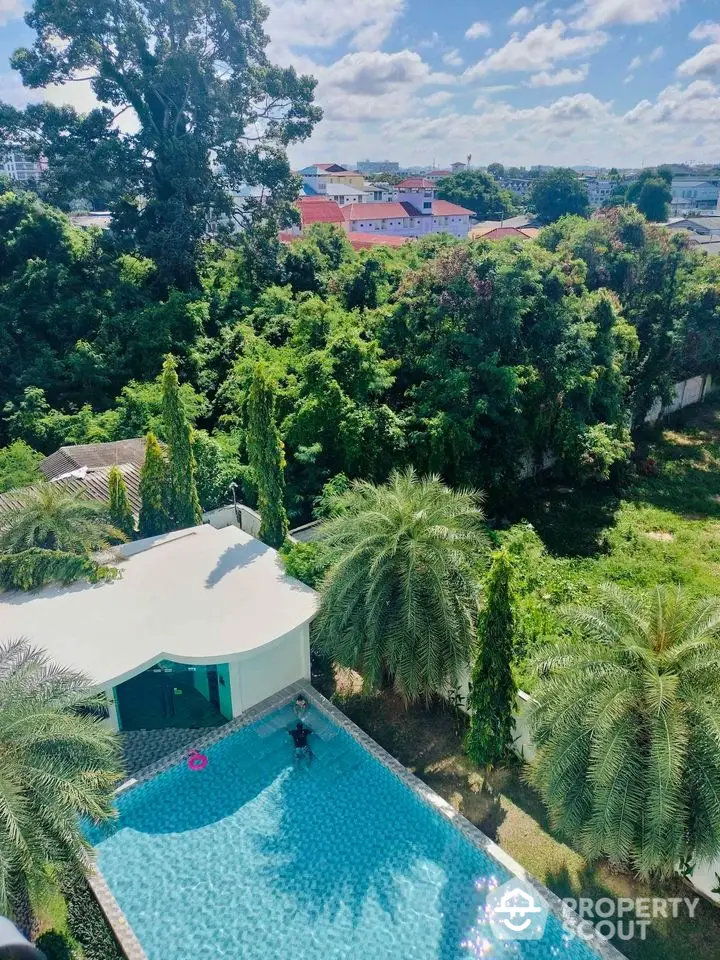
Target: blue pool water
(259, 858)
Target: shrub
(86, 920)
(54, 945)
(34, 568)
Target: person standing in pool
(301, 706)
(300, 736)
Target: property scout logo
(516, 912)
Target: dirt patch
(660, 535)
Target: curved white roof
(196, 596)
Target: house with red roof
(415, 213)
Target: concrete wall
(260, 673)
(249, 520)
(684, 395)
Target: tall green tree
(53, 519)
(267, 457)
(121, 514)
(479, 192)
(558, 193)
(154, 482)
(626, 726)
(400, 600)
(59, 765)
(651, 194)
(19, 466)
(183, 503)
(212, 112)
(492, 686)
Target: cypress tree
(492, 687)
(183, 502)
(154, 517)
(267, 458)
(121, 515)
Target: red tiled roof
(319, 210)
(443, 208)
(375, 211)
(440, 173)
(416, 183)
(364, 241)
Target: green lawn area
(662, 527)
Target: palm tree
(401, 598)
(58, 764)
(627, 726)
(53, 519)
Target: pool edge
(119, 923)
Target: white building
(599, 190)
(690, 194)
(18, 167)
(403, 219)
(202, 625)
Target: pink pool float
(197, 761)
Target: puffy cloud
(695, 104)
(475, 31)
(437, 99)
(316, 23)
(560, 78)
(453, 59)
(602, 13)
(538, 50)
(706, 63)
(11, 10)
(367, 86)
(521, 16)
(706, 31)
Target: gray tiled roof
(93, 483)
(94, 455)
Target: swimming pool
(257, 857)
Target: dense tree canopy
(213, 113)
(557, 193)
(651, 194)
(479, 192)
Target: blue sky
(624, 82)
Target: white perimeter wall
(261, 673)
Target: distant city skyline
(601, 83)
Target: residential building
(84, 469)
(599, 189)
(318, 174)
(419, 191)
(341, 193)
(690, 194)
(315, 210)
(403, 218)
(518, 185)
(705, 226)
(458, 167)
(436, 175)
(19, 167)
(201, 625)
(377, 166)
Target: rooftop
(364, 241)
(195, 596)
(416, 183)
(67, 459)
(90, 482)
(375, 211)
(319, 210)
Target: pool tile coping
(122, 929)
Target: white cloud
(316, 23)
(437, 99)
(703, 64)
(481, 28)
(635, 63)
(11, 10)
(602, 13)
(367, 87)
(706, 31)
(695, 104)
(560, 78)
(453, 59)
(521, 16)
(538, 50)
